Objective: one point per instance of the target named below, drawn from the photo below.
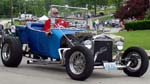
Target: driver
(54, 21)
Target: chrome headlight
(119, 45)
(88, 44)
(13, 28)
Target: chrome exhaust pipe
(118, 67)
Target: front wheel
(79, 63)
(11, 53)
(138, 61)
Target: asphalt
(4, 22)
(56, 74)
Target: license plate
(110, 66)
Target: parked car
(25, 16)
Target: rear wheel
(1, 35)
(11, 52)
(79, 63)
(138, 61)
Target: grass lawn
(107, 17)
(136, 38)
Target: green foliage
(147, 15)
(117, 3)
(136, 38)
(4, 8)
(138, 25)
(35, 7)
(82, 3)
(41, 7)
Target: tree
(132, 8)
(40, 7)
(147, 15)
(118, 3)
(5, 8)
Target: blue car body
(39, 42)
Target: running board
(42, 62)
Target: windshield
(76, 16)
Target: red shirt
(58, 22)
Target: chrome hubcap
(135, 60)
(77, 62)
(5, 52)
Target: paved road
(52, 74)
(4, 22)
(112, 30)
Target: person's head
(53, 12)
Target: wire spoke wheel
(6, 52)
(77, 62)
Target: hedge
(138, 25)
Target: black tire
(139, 61)
(11, 52)
(88, 63)
(1, 27)
(1, 34)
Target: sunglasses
(55, 12)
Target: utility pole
(11, 5)
(149, 5)
(95, 6)
(25, 8)
(50, 3)
(19, 10)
